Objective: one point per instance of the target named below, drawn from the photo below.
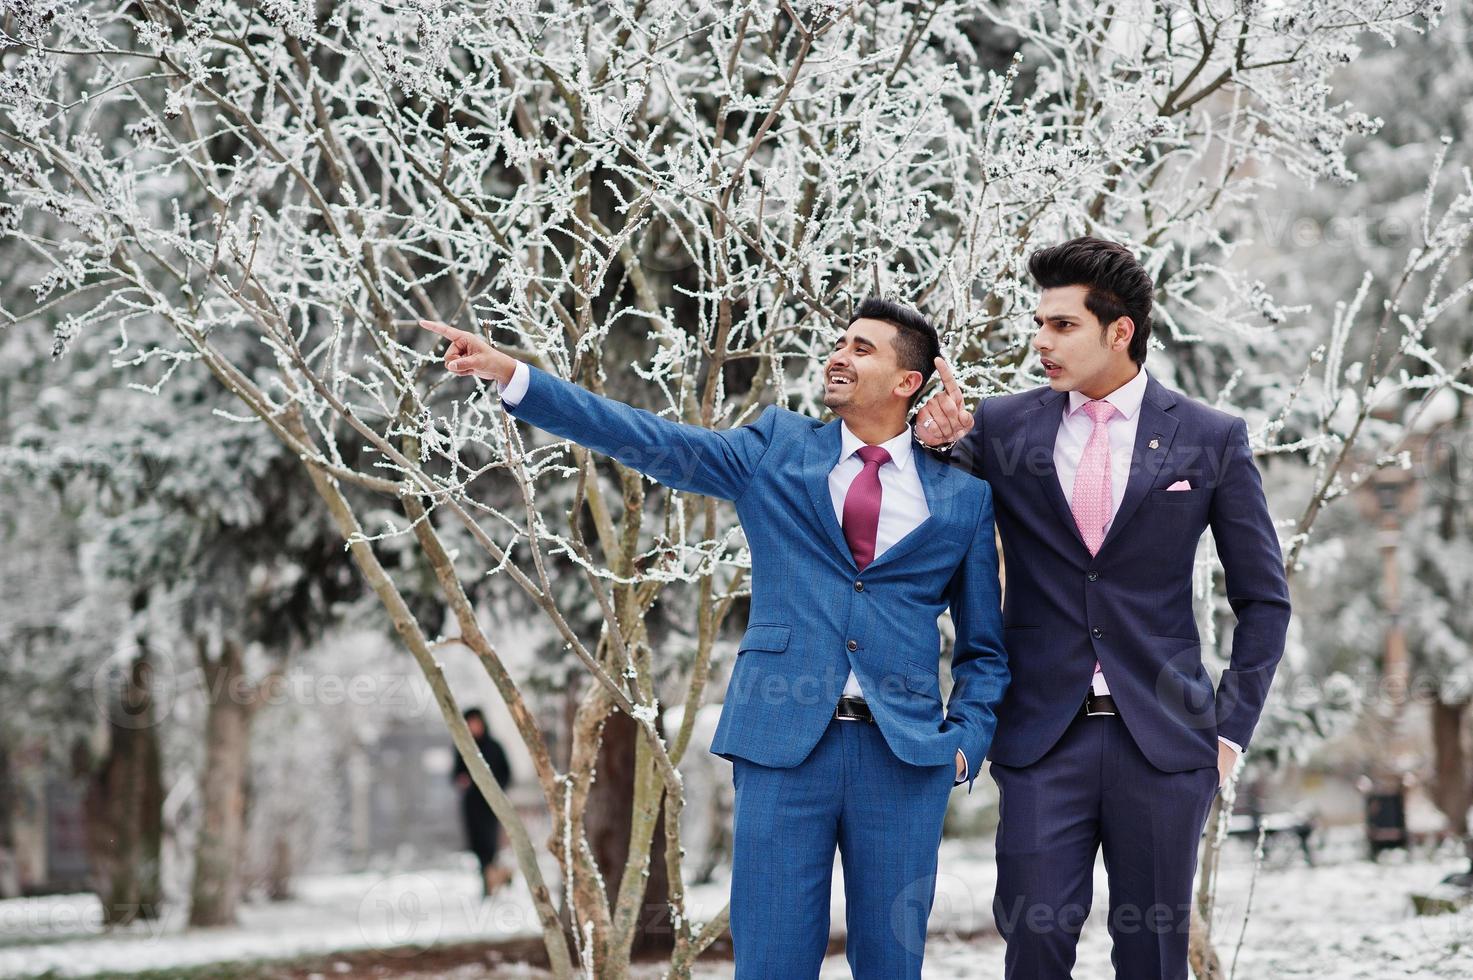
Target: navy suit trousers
(1096, 790)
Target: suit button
(1097, 632)
(852, 645)
(858, 586)
(1092, 576)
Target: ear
(1121, 331)
(910, 384)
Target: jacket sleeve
(979, 662)
(684, 457)
(1257, 589)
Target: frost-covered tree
(187, 546)
(72, 701)
(1337, 244)
(54, 633)
(673, 203)
(205, 539)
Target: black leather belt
(1097, 705)
(853, 709)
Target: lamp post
(1392, 758)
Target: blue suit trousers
(884, 816)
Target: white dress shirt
(903, 508)
(1074, 432)
(1075, 429)
(902, 499)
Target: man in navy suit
(1112, 735)
(833, 718)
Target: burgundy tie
(862, 505)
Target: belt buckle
(1089, 708)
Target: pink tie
(862, 505)
(1092, 498)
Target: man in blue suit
(833, 718)
(1111, 735)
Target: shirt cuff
(516, 388)
(1231, 744)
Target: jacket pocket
(928, 685)
(1187, 649)
(771, 637)
(1192, 495)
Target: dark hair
(1118, 286)
(916, 345)
(473, 713)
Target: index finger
(948, 380)
(443, 329)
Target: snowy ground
(394, 912)
(1347, 919)
(1350, 920)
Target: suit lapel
(1042, 429)
(820, 456)
(1153, 435)
(940, 499)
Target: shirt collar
(1126, 399)
(898, 447)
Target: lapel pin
(1155, 444)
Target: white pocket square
(1180, 485)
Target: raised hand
(944, 419)
(470, 355)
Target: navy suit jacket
(814, 615)
(1130, 606)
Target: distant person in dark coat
(482, 829)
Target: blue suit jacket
(814, 615)
(1130, 606)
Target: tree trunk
(124, 806)
(1451, 789)
(1204, 962)
(217, 861)
(1201, 955)
(610, 812)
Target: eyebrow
(858, 340)
(1062, 318)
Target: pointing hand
(471, 355)
(944, 418)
